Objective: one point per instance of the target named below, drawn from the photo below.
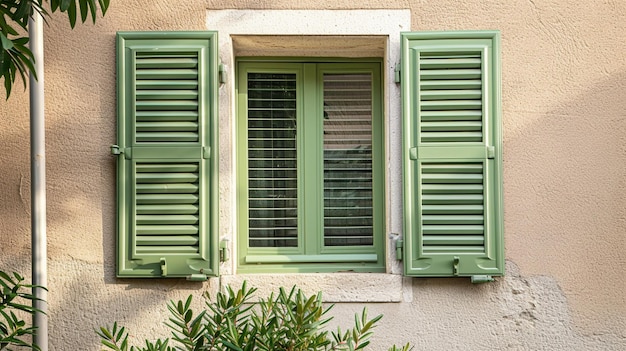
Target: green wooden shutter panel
(452, 154)
(166, 180)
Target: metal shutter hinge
(396, 72)
(455, 266)
(224, 256)
(491, 152)
(206, 152)
(222, 73)
(399, 248)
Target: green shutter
(167, 164)
(452, 154)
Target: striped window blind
(348, 159)
(272, 160)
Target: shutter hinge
(491, 152)
(224, 256)
(222, 73)
(206, 152)
(478, 279)
(399, 249)
(397, 75)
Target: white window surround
(374, 31)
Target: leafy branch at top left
(17, 58)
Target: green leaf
(106, 332)
(104, 6)
(109, 344)
(84, 9)
(7, 44)
(65, 4)
(71, 14)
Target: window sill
(335, 287)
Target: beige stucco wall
(564, 123)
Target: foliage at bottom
(15, 297)
(288, 321)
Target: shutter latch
(477, 279)
(491, 152)
(455, 266)
(413, 153)
(115, 150)
(163, 267)
(197, 277)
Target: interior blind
(272, 160)
(348, 160)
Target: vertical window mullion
(310, 163)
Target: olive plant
(15, 302)
(285, 321)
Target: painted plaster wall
(564, 123)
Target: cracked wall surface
(564, 125)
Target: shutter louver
(452, 143)
(166, 174)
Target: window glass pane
(272, 173)
(348, 159)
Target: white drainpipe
(38, 183)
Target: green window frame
(287, 219)
(452, 154)
(167, 201)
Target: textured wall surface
(564, 123)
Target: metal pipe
(38, 183)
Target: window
(310, 174)
(310, 166)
